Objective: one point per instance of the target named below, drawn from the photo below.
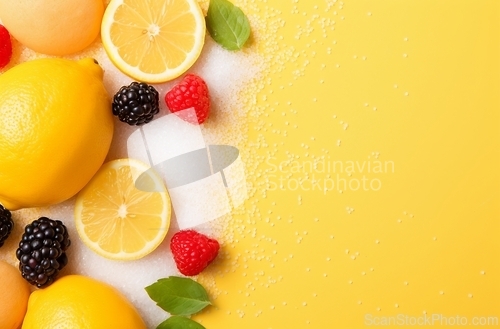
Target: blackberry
(136, 104)
(6, 224)
(42, 251)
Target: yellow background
(415, 84)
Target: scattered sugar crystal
(226, 74)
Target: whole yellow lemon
(14, 297)
(56, 127)
(53, 27)
(76, 301)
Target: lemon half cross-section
(116, 219)
(153, 40)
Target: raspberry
(191, 92)
(42, 251)
(193, 251)
(5, 47)
(136, 104)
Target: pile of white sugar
(225, 73)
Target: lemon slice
(116, 219)
(153, 40)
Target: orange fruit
(14, 297)
(53, 27)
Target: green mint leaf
(179, 322)
(179, 296)
(227, 24)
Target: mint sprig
(179, 296)
(179, 322)
(227, 24)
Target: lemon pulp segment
(118, 220)
(153, 41)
